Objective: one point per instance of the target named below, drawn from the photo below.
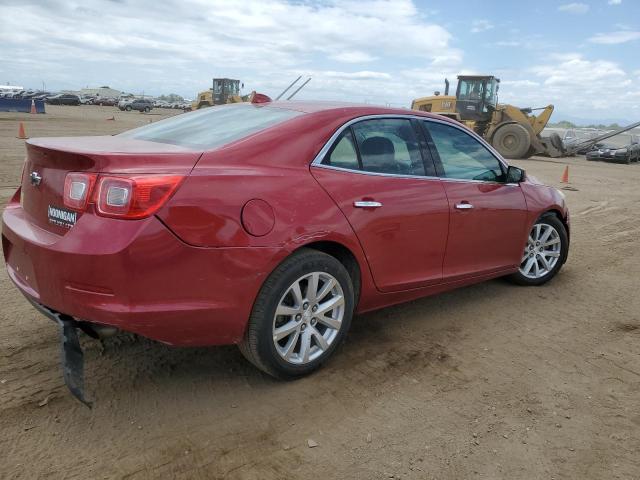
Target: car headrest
(378, 154)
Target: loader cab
(224, 89)
(477, 97)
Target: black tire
(147, 109)
(128, 108)
(556, 141)
(512, 141)
(258, 346)
(552, 220)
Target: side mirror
(515, 175)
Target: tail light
(134, 197)
(130, 197)
(77, 188)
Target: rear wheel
(147, 109)
(512, 141)
(545, 252)
(301, 315)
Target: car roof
(356, 109)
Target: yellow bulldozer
(514, 132)
(225, 90)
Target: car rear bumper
(137, 276)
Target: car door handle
(367, 204)
(464, 206)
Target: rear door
(487, 226)
(376, 174)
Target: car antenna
(299, 88)
(287, 89)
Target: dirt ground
(490, 381)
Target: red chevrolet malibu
(269, 225)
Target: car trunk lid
(50, 159)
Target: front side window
(389, 145)
(462, 156)
(212, 127)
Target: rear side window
(462, 156)
(212, 127)
(343, 154)
(389, 145)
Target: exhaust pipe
(97, 330)
(446, 86)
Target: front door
(488, 216)
(376, 174)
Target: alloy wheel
(542, 252)
(308, 318)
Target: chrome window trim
(317, 161)
(378, 174)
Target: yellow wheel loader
(514, 132)
(225, 90)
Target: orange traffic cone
(33, 106)
(21, 133)
(565, 175)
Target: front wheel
(512, 140)
(302, 313)
(545, 252)
(128, 108)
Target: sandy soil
(490, 381)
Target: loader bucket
(553, 146)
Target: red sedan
(269, 225)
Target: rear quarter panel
(272, 166)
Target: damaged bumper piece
(71, 352)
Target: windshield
(212, 127)
(471, 90)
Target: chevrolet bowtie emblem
(35, 179)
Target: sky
(580, 56)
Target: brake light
(77, 189)
(134, 197)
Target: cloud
(614, 2)
(479, 25)
(613, 38)
(578, 85)
(575, 8)
(178, 45)
(352, 57)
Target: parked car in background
(269, 226)
(42, 95)
(30, 94)
(105, 101)
(64, 99)
(124, 101)
(622, 148)
(140, 104)
(591, 148)
(86, 99)
(161, 104)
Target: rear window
(212, 127)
